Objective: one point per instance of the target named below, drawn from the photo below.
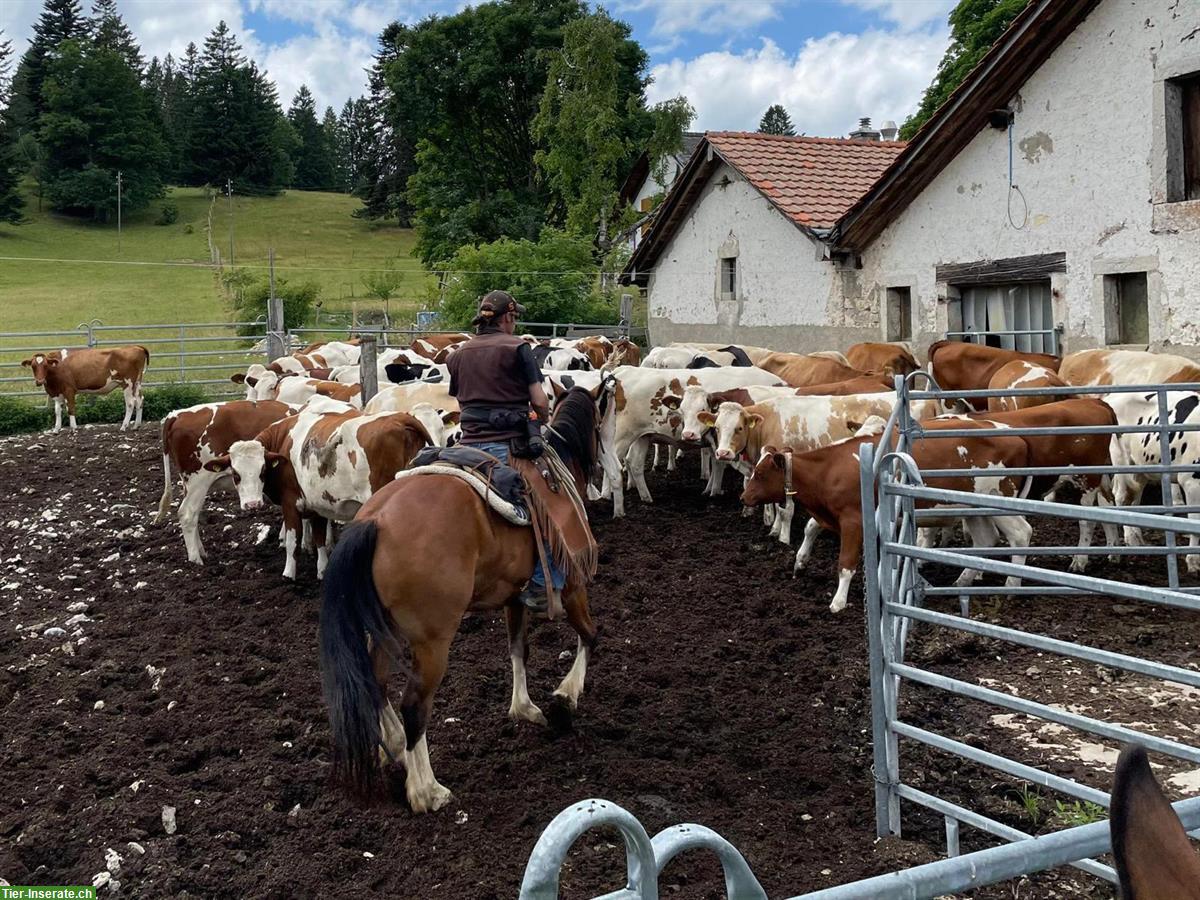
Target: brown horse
(420, 554)
(1155, 860)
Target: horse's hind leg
(521, 706)
(390, 727)
(429, 667)
(580, 618)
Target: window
(729, 278)
(992, 309)
(1183, 138)
(899, 314)
(1126, 312)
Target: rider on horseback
(496, 380)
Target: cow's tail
(351, 615)
(145, 350)
(164, 504)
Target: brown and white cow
(322, 466)
(1063, 450)
(825, 482)
(886, 358)
(431, 344)
(1021, 373)
(961, 366)
(626, 353)
(193, 436)
(1127, 367)
(66, 373)
(800, 370)
(297, 391)
(864, 384)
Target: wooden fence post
(368, 374)
(276, 337)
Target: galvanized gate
(896, 598)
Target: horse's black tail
(352, 612)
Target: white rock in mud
(168, 819)
(100, 879)
(112, 860)
(54, 633)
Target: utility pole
(118, 211)
(229, 191)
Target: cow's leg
(195, 489)
(1018, 532)
(1127, 491)
(849, 557)
(653, 460)
(291, 527)
(139, 400)
(789, 511)
(636, 462)
(164, 502)
(129, 393)
(983, 534)
(58, 405)
(1191, 493)
(320, 533)
(580, 617)
(429, 667)
(521, 706)
(1087, 528)
(705, 463)
(71, 408)
(811, 528)
(672, 456)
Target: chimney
(888, 131)
(864, 132)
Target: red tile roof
(812, 180)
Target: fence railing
(1051, 337)
(393, 337)
(192, 352)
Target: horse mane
(573, 429)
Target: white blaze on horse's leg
(572, 686)
(1018, 532)
(127, 391)
(424, 792)
(58, 404)
(521, 706)
(804, 554)
(843, 590)
(289, 549)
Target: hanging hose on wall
(1012, 188)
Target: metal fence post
(368, 373)
(275, 330)
(182, 345)
(1164, 447)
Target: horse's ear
(1153, 854)
(557, 390)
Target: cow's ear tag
(751, 425)
(274, 463)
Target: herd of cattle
(790, 424)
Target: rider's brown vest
(487, 373)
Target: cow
(596, 348)
(562, 359)
(66, 373)
(643, 414)
(887, 359)
(754, 354)
(322, 466)
(959, 366)
(801, 370)
(825, 483)
(431, 344)
(401, 397)
(193, 436)
(1099, 367)
(626, 353)
(1021, 373)
(1061, 450)
(297, 391)
(1145, 449)
(863, 384)
(679, 357)
(342, 352)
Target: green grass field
(314, 236)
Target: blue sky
(827, 61)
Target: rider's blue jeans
(499, 449)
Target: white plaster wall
(782, 280)
(1089, 158)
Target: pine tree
(776, 121)
(110, 32)
(333, 142)
(11, 203)
(312, 159)
(61, 20)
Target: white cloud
(676, 17)
(331, 63)
(826, 86)
(908, 14)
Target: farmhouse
(645, 182)
(1055, 194)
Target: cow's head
(248, 462)
(766, 484)
(696, 400)
(732, 424)
(40, 365)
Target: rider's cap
(495, 304)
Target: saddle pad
(510, 512)
(505, 481)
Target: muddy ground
(724, 693)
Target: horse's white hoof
(530, 713)
(429, 799)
